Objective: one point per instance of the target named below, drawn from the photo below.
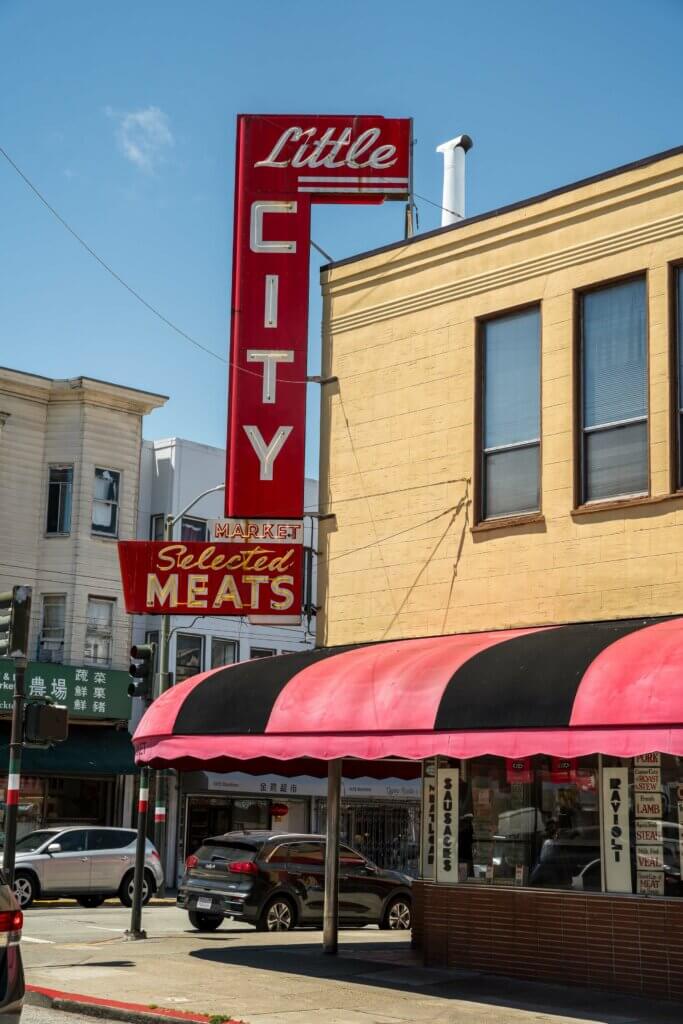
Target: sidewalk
(286, 979)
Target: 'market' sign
(284, 164)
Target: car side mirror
(54, 848)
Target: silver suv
(87, 864)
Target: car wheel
(398, 915)
(277, 916)
(205, 922)
(126, 888)
(25, 889)
(90, 902)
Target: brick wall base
(627, 943)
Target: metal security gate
(386, 833)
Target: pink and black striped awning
(600, 687)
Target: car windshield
(31, 842)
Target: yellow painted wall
(397, 438)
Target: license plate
(204, 904)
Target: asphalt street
(285, 978)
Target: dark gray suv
(276, 881)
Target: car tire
(90, 902)
(278, 915)
(25, 888)
(126, 888)
(399, 914)
(205, 922)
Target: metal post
(161, 787)
(331, 907)
(14, 774)
(135, 931)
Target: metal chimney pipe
(453, 201)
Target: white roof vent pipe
(453, 201)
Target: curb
(112, 1009)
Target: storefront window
(643, 844)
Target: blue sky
(122, 114)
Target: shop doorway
(214, 815)
(386, 832)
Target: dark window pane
(192, 529)
(157, 529)
(616, 462)
(307, 853)
(72, 842)
(223, 652)
(261, 652)
(59, 499)
(512, 379)
(511, 481)
(614, 356)
(188, 656)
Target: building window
(51, 642)
(59, 495)
(223, 652)
(98, 631)
(105, 506)
(262, 652)
(156, 530)
(192, 529)
(511, 414)
(188, 655)
(613, 375)
(678, 300)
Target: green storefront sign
(88, 692)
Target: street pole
(161, 795)
(331, 905)
(135, 931)
(14, 774)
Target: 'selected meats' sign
(196, 578)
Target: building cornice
(497, 232)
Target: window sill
(104, 536)
(615, 504)
(506, 522)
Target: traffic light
(15, 619)
(142, 684)
(45, 723)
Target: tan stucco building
(410, 552)
(501, 452)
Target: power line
(437, 205)
(129, 288)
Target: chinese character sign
(87, 692)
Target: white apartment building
(173, 473)
(69, 478)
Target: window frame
(579, 433)
(111, 601)
(94, 530)
(59, 466)
(152, 525)
(195, 520)
(675, 376)
(224, 640)
(41, 639)
(266, 652)
(481, 521)
(202, 653)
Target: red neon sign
(285, 163)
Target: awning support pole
(330, 913)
